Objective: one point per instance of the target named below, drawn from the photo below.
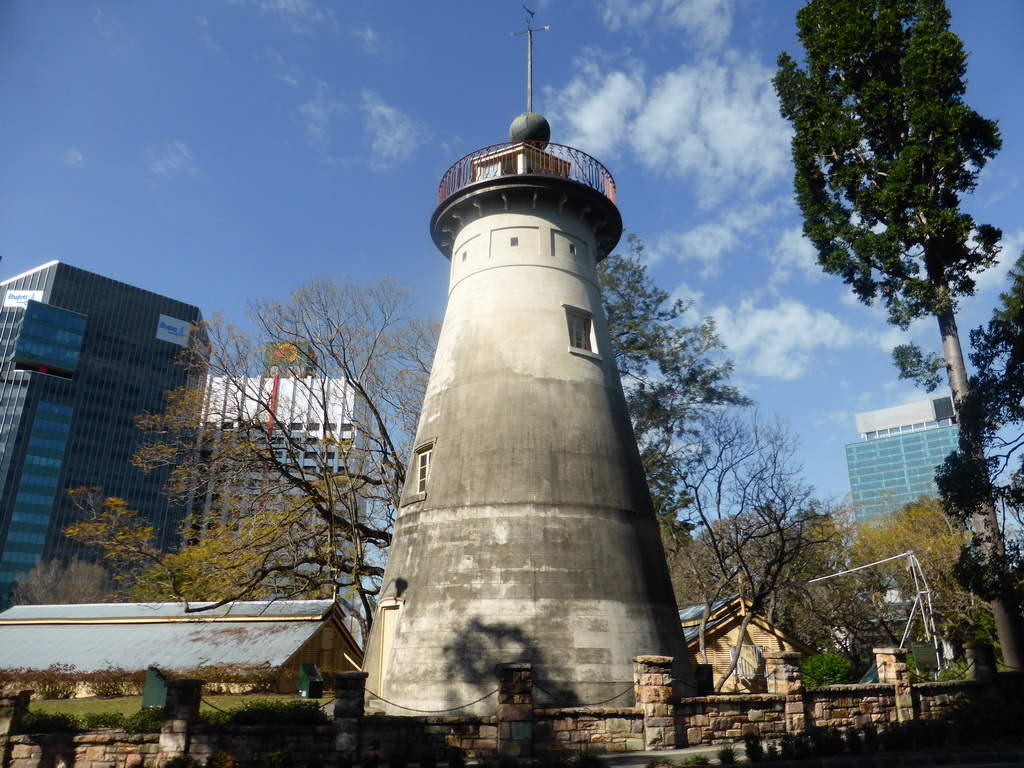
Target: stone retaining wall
(579, 728)
(88, 750)
(658, 721)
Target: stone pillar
(13, 708)
(652, 686)
(180, 712)
(515, 709)
(349, 698)
(892, 670)
(981, 662)
(783, 672)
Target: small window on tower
(579, 329)
(513, 241)
(572, 249)
(423, 469)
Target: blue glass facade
(889, 472)
(80, 357)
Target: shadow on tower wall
(481, 647)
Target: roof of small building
(724, 614)
(134, 636)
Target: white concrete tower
(526, 530)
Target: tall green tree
(884, 150)
(992, 415)
(672, 374)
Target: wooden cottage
(722, 634)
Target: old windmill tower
(526, 530)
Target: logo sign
(173, 330)
(21, 298)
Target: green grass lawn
(129, 704)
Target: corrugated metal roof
(268, 609)
(136, 635)
(687, 612)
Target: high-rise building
(81, 356)
(900, 448)
(307, 419)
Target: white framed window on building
(423, 468)
(580, 325)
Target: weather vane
(529, 55)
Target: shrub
(58, 681)
(587, 758)
(95, 720)
(826, 669)
(853, 741)
(51, 722)
(826, 742)
(14, 677)
(455, 759)
(279, 759)
(278, 713)
(181, 761)
(794, 746)
(220, 759)
(752, 748)
(954, 670)
(109, 683)
(698, 759)
(869, 735)
(726, 755)
(143, 721)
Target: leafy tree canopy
(671, 372)
(884, 148)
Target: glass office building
(80, 357)
(900, 449)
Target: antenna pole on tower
(529, 55)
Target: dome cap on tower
(530, 126)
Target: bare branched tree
(58, 583)
(279, 509)
(754, 517)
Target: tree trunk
(984, 520)
(738, 646)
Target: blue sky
(220, 150)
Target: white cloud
(708, 22)
(317, 114)
(300, 16)
(172, 158)
(717, 123)
(598, 107)
(204, 36)
(286, 72)
(993, 279)
(393, 135)
(780, 342)
(794, 253)
(711, 241)
(74, 157)
(370, 38)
